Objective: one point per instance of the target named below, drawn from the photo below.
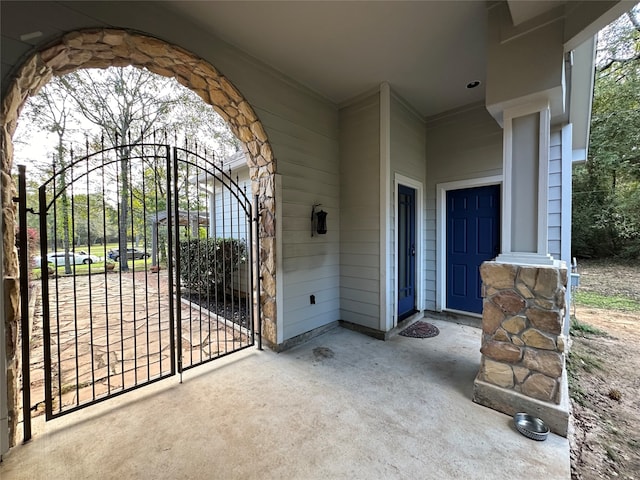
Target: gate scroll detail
(148, 261)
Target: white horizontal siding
(308, 164)
(430, 265)
(228, 219)
(358, 283)
(554, 213)
(303, 131)
(407, 142)
(360, 212)
(307, 160)
(319, 318)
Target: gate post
(23, 246)
(256, 267)
(44, 276)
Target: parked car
(75, 258)
(132, 254)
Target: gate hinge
(30, 210)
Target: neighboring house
(226, 219)
(223, 207)
(374, 115)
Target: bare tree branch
(633, 18)
(612, 61)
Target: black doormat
(420, 330)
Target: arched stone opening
(102, 48)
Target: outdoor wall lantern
(318, 220)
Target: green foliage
(33, 245)
(612, 454)
(607, 302)
(580, 328)
(583, 360)
(606, 193)
(209, 265)
(580, 361)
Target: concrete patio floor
(342, 405)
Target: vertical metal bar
(146, 266)
(93, 372)
(215, 258)
(231, 261)
(171, 153)
(44, 275)
(106, 281)
(75, 286)
(224, 264)
(133, 268)
(156, 233)
(249, 267)
(242, 237)
(238, 267)
(176, 231)
(55, 266)
(23, 240)
(256, 210)
(207, 251)
(189, 242)
(196, 225)
(120, 253)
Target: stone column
(522, 366)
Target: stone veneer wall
(102, 48)
(522, 319)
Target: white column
(526, 139)
(387, 290)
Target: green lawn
(99, 267)
(608, 302)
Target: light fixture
(473, 84)
(30, 36)
(318, 220)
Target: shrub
(33, 245)
(208, 265)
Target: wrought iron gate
(148, 261)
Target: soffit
(427, 51)
(523, 10)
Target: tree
(51, 110)
(93, 219)
(124, 108)
(198, 120)
(126, 103)
(606, 213)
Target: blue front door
(473, 237)
(406, 251)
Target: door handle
(413, 250)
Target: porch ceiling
(428, 51)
